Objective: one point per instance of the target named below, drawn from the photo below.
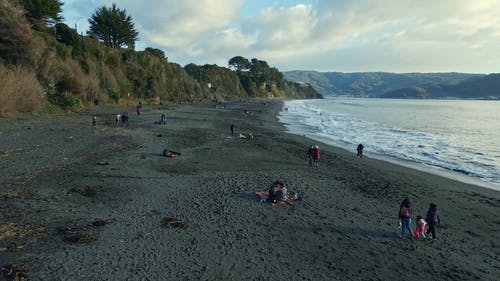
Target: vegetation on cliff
(46, 65)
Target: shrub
(65, 100)
(114, 96)
(20, 91)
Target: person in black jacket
(360, 150)
(433, 220)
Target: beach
(102, 203)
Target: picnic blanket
(264, 195)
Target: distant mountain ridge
(404, 85)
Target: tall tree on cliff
(113, 26)
(239, 63)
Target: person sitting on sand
(405, 217)
(168, 153)
(281, 193)
(420, 228)
(433, 220)
(250, 136)
(273, 191)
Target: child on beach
(420, 228)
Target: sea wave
(342, 130)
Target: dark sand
(83, 203)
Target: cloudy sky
(322, 35)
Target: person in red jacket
(317, 154)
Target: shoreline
(433, 170)
(447, 172)
(73, 195)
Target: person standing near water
(232, 130)
(310, 154)
(360, 150)
(94, 120)
(316, 155)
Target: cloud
(388, 35)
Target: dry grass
(18, 43)
(19, 232)
(20, 91)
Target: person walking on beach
(163, 119)
(316, 155)
(139, 108)
(405, 217)
(433, 220)
(420, 228)
(94, 120)
(124, 118)
(310, 154)
(117, 119)
(232, 130)
(360, 150)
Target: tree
(113, 26)
(239, 63)
(47, 11)
(260, 70)
(155, 52)
(69, 36)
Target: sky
(322, 35)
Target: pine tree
(113, 26)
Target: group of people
(122, 117)
(313, 154)
(277, 192)
(431, 221)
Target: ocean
(460, 137)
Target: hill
(480, 87)
(372, 84)
(50, 67)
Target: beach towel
(264, 195)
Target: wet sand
(84, 203)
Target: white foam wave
(338, 129)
